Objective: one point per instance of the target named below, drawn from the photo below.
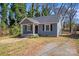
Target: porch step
(30, 35)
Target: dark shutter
(43, 27)
(51, 27)
(31, 27)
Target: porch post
(33, 29)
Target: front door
(36, 28)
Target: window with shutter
(43, 27)
(47, 28)
(51, 27)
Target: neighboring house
(44, 26)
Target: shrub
(14, 30)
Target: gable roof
(42, 19)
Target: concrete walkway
(66, 48)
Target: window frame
(28, 27)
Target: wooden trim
(33, 28)
(23, 20)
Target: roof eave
(23, 20)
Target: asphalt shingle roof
(43, 19)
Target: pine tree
(42, 13)
(37, 13)
(19, 10)
(4, 15)
(31, 12)
(22, 10)
(17, 13)
(45, 10)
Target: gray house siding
(48, 33)
(41, 32)
(27, 22)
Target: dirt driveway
(66, 48)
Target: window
(25, 27)
(47, 28)
(29, 27)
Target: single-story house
(43, 25)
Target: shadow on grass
(73, 36)
(76, 36)
(17, 36)
(26, 36)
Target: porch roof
(42, 19)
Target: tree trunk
(70, 26)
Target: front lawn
(77, 44)
(27, 46)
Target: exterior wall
(26, 22)
(54, 32)
(48, 33)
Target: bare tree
(71, 14)
(69, 10)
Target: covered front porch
(29, 29)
